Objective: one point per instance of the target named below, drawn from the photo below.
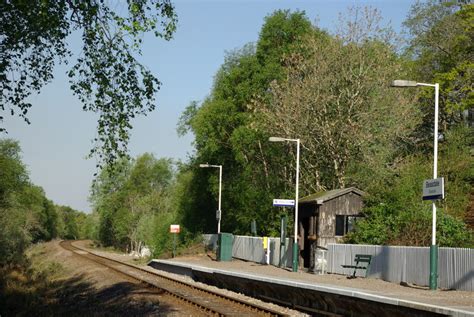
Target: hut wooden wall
(349, 204)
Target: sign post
(433, 247)
(253, 228)
(283, 224)
(284, 219)
(175, 229)
(433, 189)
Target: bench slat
(354, 267)
(360, 259)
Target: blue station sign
(283, 202)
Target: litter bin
(320, 260)
(224, 250)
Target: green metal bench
(362, 262)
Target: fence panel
(457, 265)
(210, 241)
(390, 263)
(275, 252)
(249, 249)
(408, 264)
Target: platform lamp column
(295, 242)
(433, 279)
(220, 196)
(219, 210)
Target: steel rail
(254, 309)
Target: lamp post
(295, 243)
(219, 211)
(433, 248)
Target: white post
(433, 248)
(295, 242)
(297, 187)
(435, 158)
(219, 211)
(220, 194)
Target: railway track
(206, 301)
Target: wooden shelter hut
(325, 217)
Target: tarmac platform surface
(331, 293)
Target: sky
(56, 143)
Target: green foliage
(441, 52)
(161, 239)
(452, 232)
(132, 204)
(442, 49)
(224, 135)
(332, 92)
(395, 213)
(13, 173)
(457, 167)
(14, 236)
(26, 215)
(107, 78)
(196, 211)
(33, 40)
(73, 223)
(336, 100)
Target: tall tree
(130, 199)
(68, 216)
(337, 100)
(223, 131)
(13, 174)
(440, 51)
(442, 37)
(107, 77)
(26, 215)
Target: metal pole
(433, 278)
(174, 245)
(434, 247)
(435, 156)
(220, 194)
(295, 244)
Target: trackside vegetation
(330, 89)
(26, 214)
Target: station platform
(321, 295)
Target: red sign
(174, 228)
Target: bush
(396, 214)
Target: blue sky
(59, 138)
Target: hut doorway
(308, 224)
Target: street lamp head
(203, 165)
(276, 139)
(404, 83)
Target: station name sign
(283, 202)
(433, 189)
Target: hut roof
(321, 197)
